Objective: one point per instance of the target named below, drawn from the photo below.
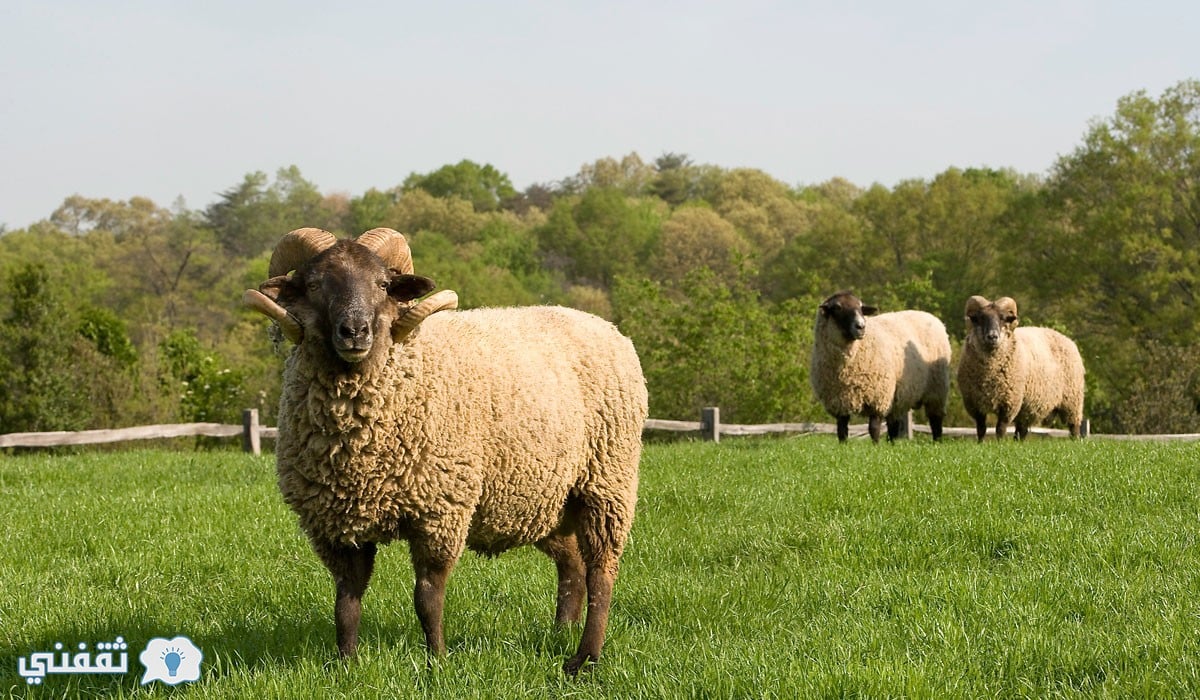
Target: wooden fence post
(906, 431)
(710, 423)
(251, 440)
(1085, 428)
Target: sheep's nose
(993, 336)
(353, 329)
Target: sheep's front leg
(351, 568)
(1002, 419)
(429, 597)
(874, 427)
(843, 428)
(935, 426)
(980, 426)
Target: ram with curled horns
(484, 429)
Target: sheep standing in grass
(1023, 375)
(880, 368)
(483, 429)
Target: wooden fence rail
(709, 427)
(250, 430)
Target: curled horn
(406, 324)
(389, 245)
(976, 304)
(265, 305)
(296, 247)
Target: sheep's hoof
(578, 662)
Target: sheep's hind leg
(893, 429)
(351, 568)
(572, 576)
(843, 428)
(429, 595)
(601, 539)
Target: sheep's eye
(313, 286)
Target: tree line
(127, 312)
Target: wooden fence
(252, 434)
(709, 427)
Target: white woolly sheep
(881, 369)
(483, 429)
(1023, 375)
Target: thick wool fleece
(902, 362)
(1033, 373)
(473, 431)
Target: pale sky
(163, 99)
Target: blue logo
(172, 661)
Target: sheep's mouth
(352, 354)
(853, 334)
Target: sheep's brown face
(848, 314)
(346, 299)
(991, 326)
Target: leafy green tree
(715, 343)
(1114, 251)
(677, 179)
(485, 187)
(695, 237)
(764, 210)
(371, 210)
(208, 389)
(465, 269)
(44, 381)
(109, 334)
(835, 253)
(251, 216)
(630, 175)
(418, 210)
(78, 215)
(595, 236)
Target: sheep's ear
(278, 289)
(870, 310)
(404, 287)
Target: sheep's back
(919, 349)
(558, 404)
(1055, 375)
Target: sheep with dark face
(1023, 375)
(483, 429)
(880, 368)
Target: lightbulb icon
(172, 658)
(171, 661)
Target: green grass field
(757, 568)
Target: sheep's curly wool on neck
(337, 477)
